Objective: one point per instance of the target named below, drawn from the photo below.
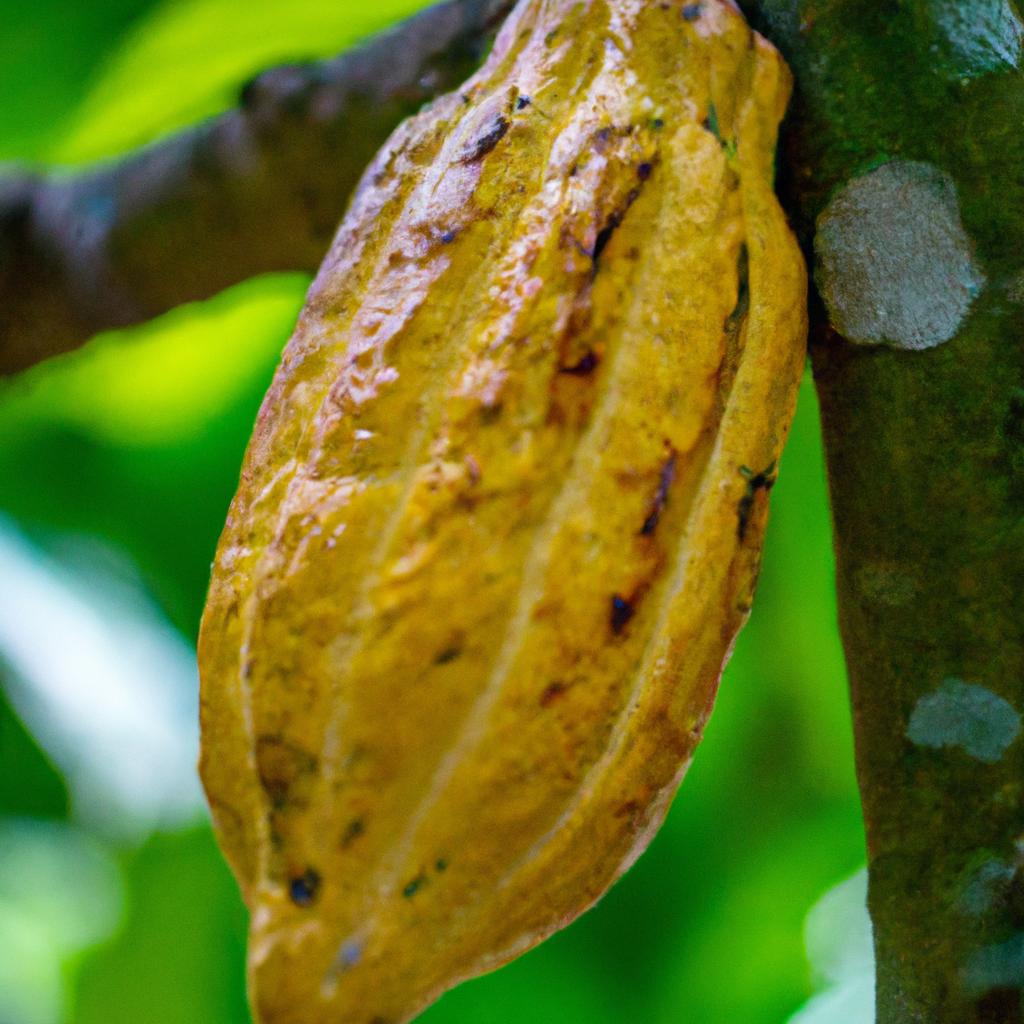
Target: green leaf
(187, 60)
(164, 380)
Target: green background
(136, 441)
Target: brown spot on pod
(622, 611)
(668, 474)
(486, 142)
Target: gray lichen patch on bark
(980, 36)
(998, 966)
(963, 715)
(987, 887)
(894, 264)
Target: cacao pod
(501, 515)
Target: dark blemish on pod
(615, 219)
(691, 12)
(584, 367)
(742, 307)
(604, 236)
(304, 890)
(490, 411)
(668, 475)
(523, 102)
(414, 886)
(486, 143)
(355, 828)
(657, 124)
(357, 754)
(448, 655)
(276, 840)
(280, 765)
(763, 481)
(632, 811)
(622, 612)
(551, 693)
(440, 865)
(644, 171)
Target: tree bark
(258, 189)
(904, 169)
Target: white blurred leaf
(840, 950)
(852, 1002)
(838, 932)
(107, 687)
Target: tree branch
(905, 171)
(260, 188)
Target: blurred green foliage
(137, 440)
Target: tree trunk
(904, 168)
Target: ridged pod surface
(501, 516)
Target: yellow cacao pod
(500, 518)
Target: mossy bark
(921, 104)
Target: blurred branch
(903, 171)
(260, 188)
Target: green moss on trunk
(905, 156)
